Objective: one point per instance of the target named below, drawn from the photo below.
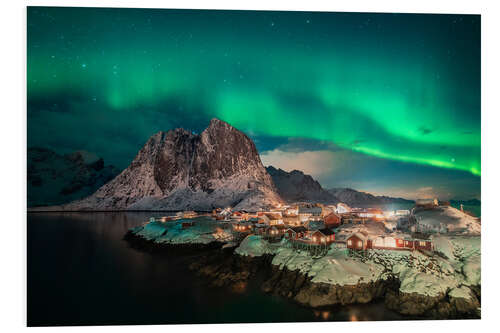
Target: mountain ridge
(54, 179)
(177, 170)
(358, 198)
(295, 186)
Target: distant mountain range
(295, 186)
(471, 202)
(56, 179)
(178, 170)
(358, 198)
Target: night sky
(386, 103)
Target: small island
(423, 262)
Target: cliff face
(295, 186)
(178, 170)
(56, 179)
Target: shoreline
(224, 267)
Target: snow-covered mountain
(178, 170)
(295, 186)
(357, 198)
(56, 179)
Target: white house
(343, 208)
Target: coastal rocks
(299, 287)
(411, 304)
(222, 268)
(323, 294)
(284, 282)
(414, 284)
(143, 244)
(458, 303)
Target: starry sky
(385, 103)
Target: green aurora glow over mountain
(403, 88)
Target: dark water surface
(82, 272)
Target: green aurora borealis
(402, 88)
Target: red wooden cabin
(408, 244)
(400, 243)
(187, 224)
(322, 236)
(242, 227)
(332, 220)
(357, 241)
(422, 245)
(275, 231)
(295, 233)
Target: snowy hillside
(447, 281)
(57, 179)
(453, 219)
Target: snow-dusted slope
(455, 220)
(56, 179)
(178, 170)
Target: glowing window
(349, 242)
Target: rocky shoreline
(223, 267)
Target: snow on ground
(455, 267)
(334, 268)
(338, 268)
(432, 275)
(417, 272)
(204, 231)
(254, 246)
(456, 220)
(461, 292)
(293, 260)
(422, 277)
(152, 230)
(370, 228)
(463, 254)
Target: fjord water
(82, 272)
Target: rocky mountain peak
(178, 169)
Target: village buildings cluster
(308, 225)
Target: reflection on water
(239, 287)
(82, 272)
(325, 315)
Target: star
(84, 65)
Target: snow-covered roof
(359, 235)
